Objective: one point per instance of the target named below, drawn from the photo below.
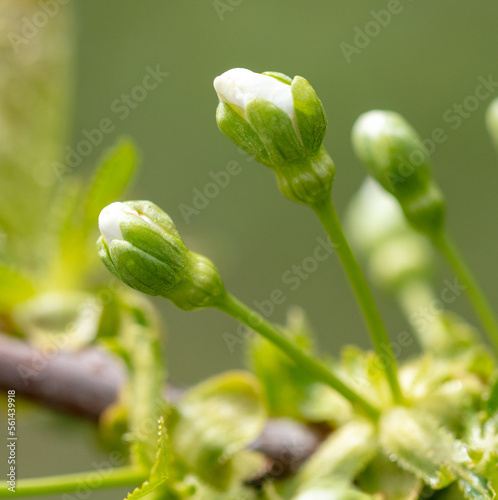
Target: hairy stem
(328, 216)
(247, 316)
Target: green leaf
(14, 287)
(421, 446)
(215, 420)
(331, 489)
(342, 455)
(112, 177)
(385, 479)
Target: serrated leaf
(161, 469)
(160, 472)
(342, 455)
(421, 446)
(14, 287)
(473, 486)
(215, 420)
(112, 177)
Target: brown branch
(86, 382)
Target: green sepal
(310, 115)
(142, 271)
(236, 128)
(308, 181)
(204, 288)
(276, 130)
(281, 77)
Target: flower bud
(281, 123)
(492, 121)
(395, 253)
(397, 159)
(141, 246)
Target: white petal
(240, 86)
(110, 219)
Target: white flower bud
(110, 219)
(238, 87)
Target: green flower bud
(492, 121)
(141, 246)
(396, 158)
(395, 253)
(281, 123)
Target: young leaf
(342, 455)
(385, 479)
(215, 420)
(112, 177)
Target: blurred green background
(427, 59)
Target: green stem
(92, 480)
(328, 216)
(483, 309)
(254, 321)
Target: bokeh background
(428, 58)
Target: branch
(86, 382)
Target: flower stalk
(120, 476)
(328, 216)
(248, 317)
